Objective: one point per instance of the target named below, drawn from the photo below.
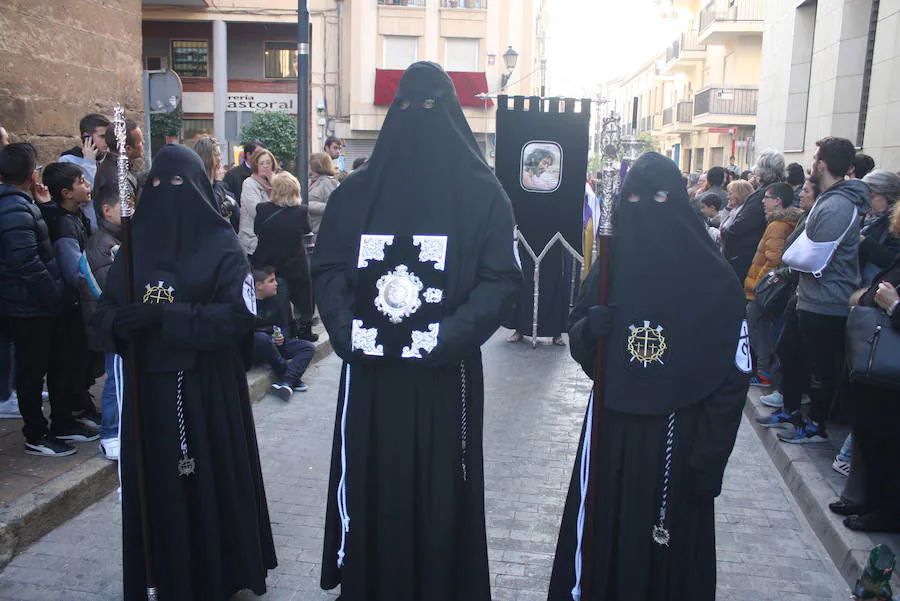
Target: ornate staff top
(119, 128)
(610, 142)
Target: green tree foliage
(166, 124)
(278, 132)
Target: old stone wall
(62, 59)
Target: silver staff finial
(119, 128)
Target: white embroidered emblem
(433, 295)
(398, 294)
(364, 339)
(421, 341)
(249, 293)
(433, 248)
(742, 358)
(371, 248)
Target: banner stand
(557, 237)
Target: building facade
(697, 99)
(358, 50)
(62, 60)
(831, 67)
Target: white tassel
(119, 381)
(342, 484)
(583, 474)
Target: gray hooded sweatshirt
(828, 219)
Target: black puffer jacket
(30, 280)
(741, 237)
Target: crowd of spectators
(60, 229)
(831, 236)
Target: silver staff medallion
(398, 294)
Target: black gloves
(138, 316)
(600, 320)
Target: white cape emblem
(249, 293)
(742, 358)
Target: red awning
(468, 86)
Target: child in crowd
(101, 250)
(288, 357)
(67, 375)
(710, 207)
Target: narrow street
(534, 405)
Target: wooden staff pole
(126, 199)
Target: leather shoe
(873, 522)
(843, 507)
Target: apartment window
(461, 54)
(281, 59)
(399, 52)
(190, 58)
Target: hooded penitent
(211, 532)
(405, 517)
(666, 271)
(674, 386)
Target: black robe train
(406, 474)
(677, 356)
(211, 531)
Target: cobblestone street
(534, 405)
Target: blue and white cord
(343, 510)
(585, 470)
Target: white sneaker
(110, 448)
(9, 409)
(774, 400)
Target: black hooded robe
(211, 530)
(667, 271)
(416, 524)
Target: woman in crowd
(744, 228)
(794, 374)
(280, 226)
(738, 191)
(879, 246)
(256, 189)
(207, 148)
(782, 219)
(867, 408)
(322, 182)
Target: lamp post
(510, 58)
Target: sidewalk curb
(37, 512)
(804, 478)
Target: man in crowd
(288, 357)
(70, 358)
(862, 165)
(828, 261)
(108, 170)
(30, 290)
(90, 154)
(733, 168)
(335, 148)
(234, 179)
(796, 177)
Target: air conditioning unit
(156, 63)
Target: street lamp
(510, 58)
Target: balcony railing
(684, 43)
(463, 3)
(684, 111)
(417, 3)
(731, 11)
(726, 101)
(667, 116)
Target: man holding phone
(90, 154)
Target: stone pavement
(535, 401)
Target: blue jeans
(289, 361)
(109, 400)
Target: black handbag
(772, 293)
(873, 348)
